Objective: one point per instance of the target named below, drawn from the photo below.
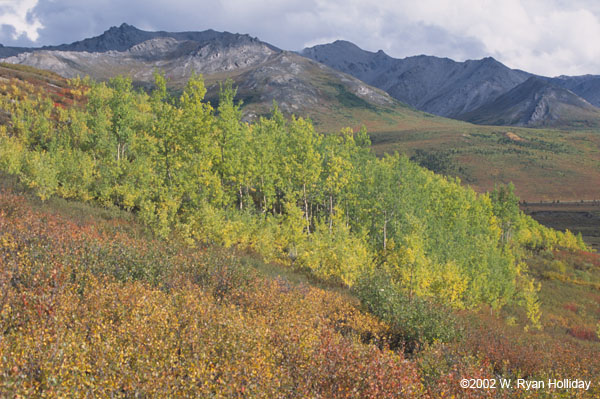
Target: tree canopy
(321, 202)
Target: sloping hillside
(586, 86)
(93, 305)
(536, 103)
(200, 255)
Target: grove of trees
(324, 203)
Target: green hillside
(324, 202)
(94, 305)
(543, 164)
(154, 246)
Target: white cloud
(541, 36)
(17, 14)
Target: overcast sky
(548, 37)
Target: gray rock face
(586, 86)
(290, 80)
(262, 72)
(178, 54)
(537, 103)
(436, 85)
(479, 91)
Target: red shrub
(583, 333)
(573, 307)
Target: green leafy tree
(121, 105)
(302, 164)
(236, 165)
(506, 208)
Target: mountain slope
(542, 167)
(586, 86)
(124, 37)
(262, 73)
(436, 85)
(536, 103)
(178, 58)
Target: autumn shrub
(90, 309)
(414, 321)
(344, 372)
(40, 173)
(513, 354)
(578, 259)
(583, 333)
(504, 355)
(334, 253)
(442, 369)
(11, 153)
(572, 307)
(557, 266)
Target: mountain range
(262, 72)
(405, 104)
(327, 77)
(479, 91)
(536, 103)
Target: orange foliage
(573, 307)
(89, 310)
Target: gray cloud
(17, 21)
(548, 37)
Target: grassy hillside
(28, 79)
(92, 304)
(543, 164)
(361, 276)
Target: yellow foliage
(72, 331)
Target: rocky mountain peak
(123, 30)
(126, 26)
(536, 102)
(115, 38)
(437, 85)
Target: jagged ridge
(474, 90)
(437, 85)
(535, 103)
